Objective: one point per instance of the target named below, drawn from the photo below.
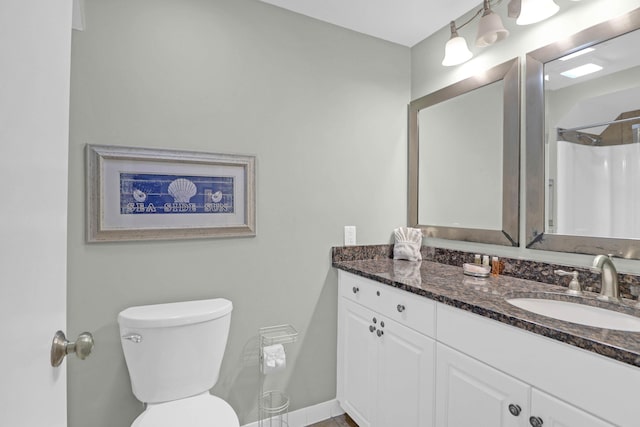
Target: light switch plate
(349, 235)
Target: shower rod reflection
(595, 125)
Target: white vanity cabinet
(385, 355)
(509, 371)
(470, 393)
(556, 413)
(436, 365)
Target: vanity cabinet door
(386, 369)
(470, 393)
(406, 377)
(357, 363)
(556, 413)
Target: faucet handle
(574, 286)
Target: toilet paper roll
(273, 358)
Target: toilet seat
(203, 410)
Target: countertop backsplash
(518, 268)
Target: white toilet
(173, 353)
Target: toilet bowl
(173, 353)
(203, 410)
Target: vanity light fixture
(456, 50)
(532, 11)
(490, 31)
(490, 28)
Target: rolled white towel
(408, 243)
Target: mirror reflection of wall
(592, 158)
(460, 168)
(464, 159)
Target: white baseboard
(311, 414)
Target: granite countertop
(486, 297)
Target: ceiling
(614, 55)
(405, 22)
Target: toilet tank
(174, 350)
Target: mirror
(464, 159)
(447, 143)
(583, 142)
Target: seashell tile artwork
(139, 195)
(216, 197)
(182, 190)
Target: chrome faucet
(609, 290)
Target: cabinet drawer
(414, 311)
(406, 308)
(360, 290)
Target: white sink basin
(579, 313)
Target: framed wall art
(153, 194)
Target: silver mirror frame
(535, 161)
(509, 72)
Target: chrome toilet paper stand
(273, 405)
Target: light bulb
(456, 50)
(532, 11)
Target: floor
(339, 421)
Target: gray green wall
(324, 111)
(428, 75)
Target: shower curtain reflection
(589, 180)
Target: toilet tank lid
(174, 313)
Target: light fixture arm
(486, 8)
(457, 27)
(454, 29)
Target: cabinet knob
(380, 332)
(401, 308)
(382, 323)
(374, 320)
(356, 289)
(378, 293)
(535, 421)
(372, 328)
(515, 409)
